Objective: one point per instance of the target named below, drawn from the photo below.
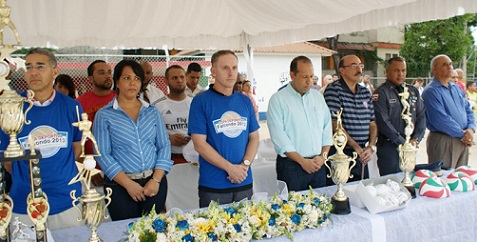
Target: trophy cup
(12, 117)
(92, 211)
(340, 169)
(408, 150)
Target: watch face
(246, 162)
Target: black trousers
(388, 157)
(123, 206)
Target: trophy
(12, 117)
(340, 168)
(92, 210)
(408, 150)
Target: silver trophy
(93, 209)
(340, 168)
(408, 150)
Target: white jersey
(153, 93)
(175, 115)
(194, 93)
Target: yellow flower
(288, 210)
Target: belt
(178, 155)
(140, 175)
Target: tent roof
(211, 24)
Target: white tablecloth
(424, 219)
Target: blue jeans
(122, 205)
(296, 178)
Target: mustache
(358, 74)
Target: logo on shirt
(231, 124)
(47, 139)
(168, 112)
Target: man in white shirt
(174, 109)
(193, 75)
(149, 93)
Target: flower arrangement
(236, 222)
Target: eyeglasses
(354, 66)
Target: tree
(425, 40)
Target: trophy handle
(325, 155)
(108, 199)
(355, 155)
(30, 95)
(75, 199)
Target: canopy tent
(211, 24)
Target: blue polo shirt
(447, 109)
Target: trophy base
(340, 207)
(411, 190)
(11, 153)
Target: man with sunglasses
(357, 116)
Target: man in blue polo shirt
(358, 113)
(225, 133)
(449, 117)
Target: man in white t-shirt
(174, 109)
(193, 75)
(149, 93)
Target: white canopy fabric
(211, 24)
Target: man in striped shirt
(358, 113)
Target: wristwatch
(247, 162)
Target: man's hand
(237, 173)
(310, 166)
(179, 139)
(365, 155)
(468, 138)
(136, 191)
(319, 160)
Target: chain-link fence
(76, 67)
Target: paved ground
(422, 154)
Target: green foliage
(425, 40)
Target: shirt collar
(116, 104)
(47, 102)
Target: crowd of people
(141, 131)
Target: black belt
(177, 155)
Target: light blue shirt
(299, 123)
(447, 109)
(130, 146)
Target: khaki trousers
(451, 150)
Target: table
(425, 219)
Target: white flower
(161, 237)
(313, 215)
(254, 220)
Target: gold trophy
(12, 117)
(340, 169)
(408, 150)
(92, 211)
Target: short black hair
(91, 66)
(118, 69)
(170, 68)
(66, 81)
(468, 84)
(294, 63)
(395, 59)
(195, 67)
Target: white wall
(267, 71)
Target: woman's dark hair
(67, 82)
(118, 71)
